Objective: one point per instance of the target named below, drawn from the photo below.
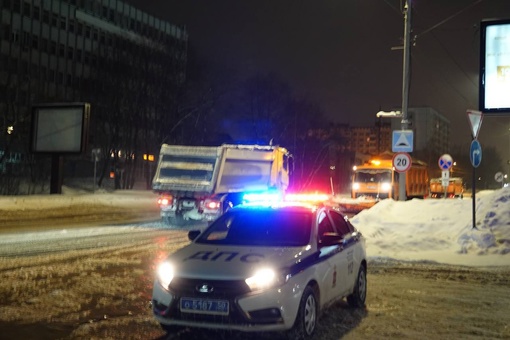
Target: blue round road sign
(475, 153)
(445, 162)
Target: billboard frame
(486, 68)
(60, 128)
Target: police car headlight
(165, 274)
(385, 186)
(266, 278)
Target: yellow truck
(378, 179)
(455, 188)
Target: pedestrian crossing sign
(402, 141)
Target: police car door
(333, 258)
(350, 260)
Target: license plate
(204, 306)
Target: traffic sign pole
(475, 152)
(473, 196)
(475, 156)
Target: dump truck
(378, 179)
(455, 188)
(199, 183)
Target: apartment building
(105, 52)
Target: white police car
(271, 267)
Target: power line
(447, 19)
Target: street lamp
(389, 114)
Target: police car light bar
(316, 197)
(263, 197)
(272, 197)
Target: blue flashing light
(267, 197)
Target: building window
(53, 48)
(60, 79)
(46, 17)
(44, 45)
(79, 29)
(54, 20)
(35, 42)
(33, 70)
(6, 4)
(87, 32)
(15, 36)
(61, 50)
(26, 9)
(63, 23)
(51, 75)
(43, 73)
(71, 26)
(70, 53)
(27, 40)
(6, 29)
(16, 5)
(36, 13)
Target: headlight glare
(165, 274)
(262, 279)
(385, 186)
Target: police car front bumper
(273, 309)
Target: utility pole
(405, 87)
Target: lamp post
(405, 91)
(405, 87)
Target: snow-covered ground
(438, 230)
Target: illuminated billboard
(495, 67)
(60, 128)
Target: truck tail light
(213, 205)
(165, 201)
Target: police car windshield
(260, 227)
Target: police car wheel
(358, 297)
(306, 319)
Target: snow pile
(440, 230)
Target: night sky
(339, 52)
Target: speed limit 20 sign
(402, 161)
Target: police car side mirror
(193, 234)
(330, 239)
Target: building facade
(127, 64)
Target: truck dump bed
(187, 168)
(220, 169)
(249, 168)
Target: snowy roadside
(73, 207)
